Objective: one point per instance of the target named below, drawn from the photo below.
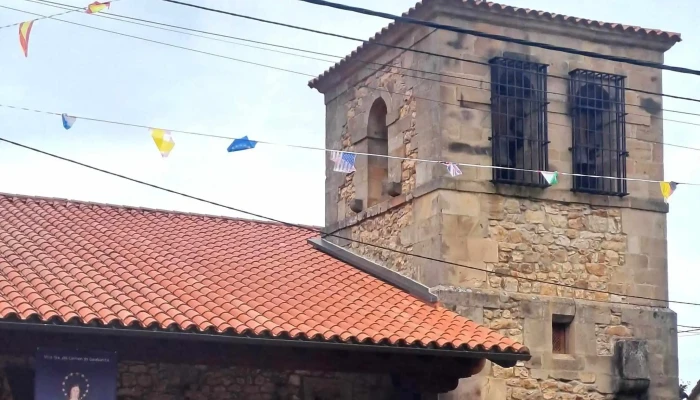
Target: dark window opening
(519, 121)
(560, 338)
(378, 143)
(598, 121)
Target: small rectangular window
(560, 337)
(519, 121)
(598, 122)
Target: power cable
(51, 16)
(168, 44)
(200, 199)
(470, 165)
(382, 66)
(501, 38)
(140, 22)
(390, 46)
(460, 105)
(543, 282)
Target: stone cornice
(558, 196)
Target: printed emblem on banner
(75, 375)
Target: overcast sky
(95, 74)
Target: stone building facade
(162, 381)
(543, 265)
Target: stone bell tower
(560, 268)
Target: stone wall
(600, 255)
(390, 86)
(571, 244)
(385, 230)
(143, 381)
(586, 370)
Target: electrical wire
(469, 165)
(460, 105)
(390, 46)
(51, 16)
(128, 19)
(544, 282)
(381, 69)
(500, 38)
(168, 44)
(143, 22)
(200, 199)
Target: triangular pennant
(163, 140)
(344, 162)
(97, 7)
(453, 169)
(667, 189)
(241, 144)
(68, 121)
(552, 178)
(25, 29)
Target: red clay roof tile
(81, 263)
(488, 6)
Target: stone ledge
(445, 183)
(490, 298)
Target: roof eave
(502, 358)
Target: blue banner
(75, 375)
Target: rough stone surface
(141, 381)
(520, 256)
(384, 230)
(575, 245)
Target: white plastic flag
(552, 178)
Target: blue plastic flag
(241, 144)
(68, 121)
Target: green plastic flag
(552, 178)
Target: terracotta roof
(488, 6)
(79, 263)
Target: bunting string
(186, 31)
(344, 160)
(25, 28)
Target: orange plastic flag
(96, 7)
(25, 28)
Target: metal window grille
(560, 333)
(598, 122)
(519, 121)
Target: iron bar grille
(519, 121)
(598, 124)
(560, 343)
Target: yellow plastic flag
(667, 189)
(164, 141)
(25, 29)
(96, 7)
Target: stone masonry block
(534, 310)
(643, 223)
(535, 335)
(562, 308)
(429, 228)
(473, 95)
(460, 203)
(448, 93)
(467, 277)
(474, 250)
(431, 273)
(427, 206)
(654, 247)
(583, 338)
(567, 362)
(464, 225)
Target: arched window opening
(598, 122)
(378, 143)
(519, 121)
